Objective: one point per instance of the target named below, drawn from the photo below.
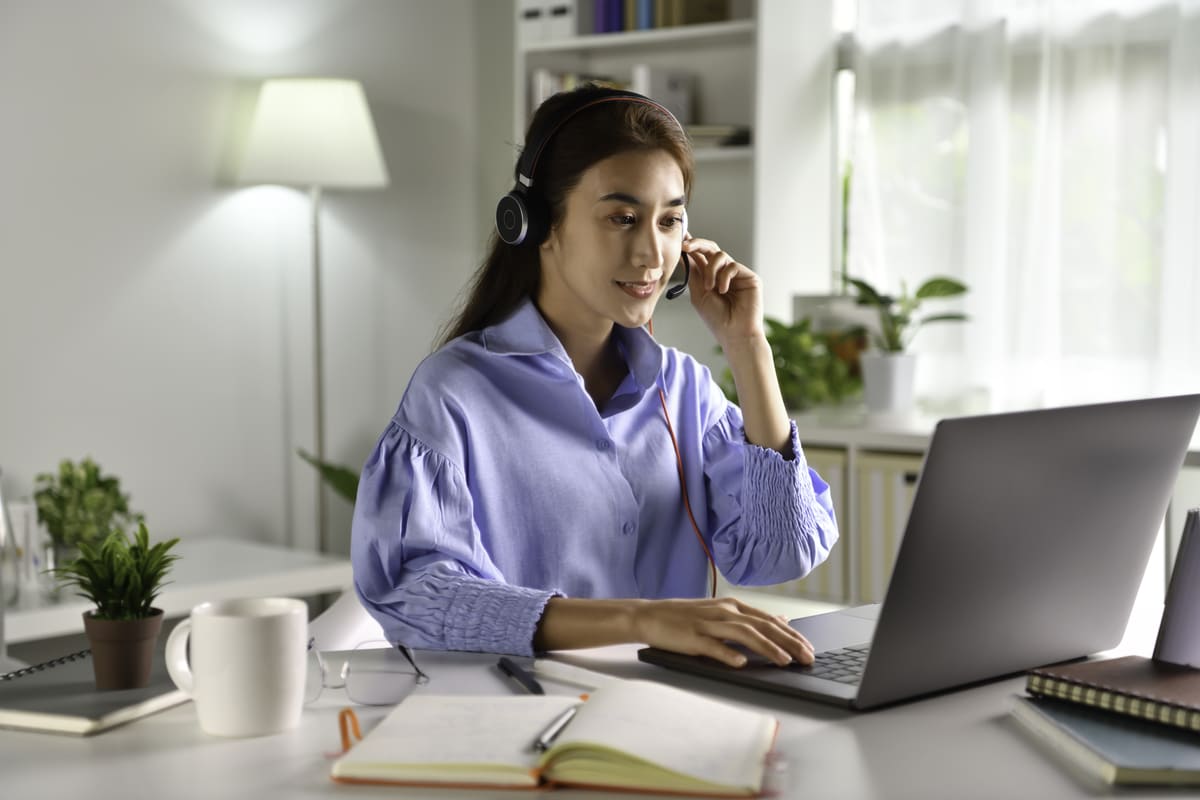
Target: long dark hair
(511, 273)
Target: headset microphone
(680, 288)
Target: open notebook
(634, 735)
(60, 696)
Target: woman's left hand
(727, 295)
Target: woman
(527, 494)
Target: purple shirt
(498, 485)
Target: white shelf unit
(770, 68)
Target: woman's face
(610, 257)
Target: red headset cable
(687, 504)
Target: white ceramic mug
(245, 668)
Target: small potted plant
(889, 369)
(79, 504)
(814, 368)
(122, 578)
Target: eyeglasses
(374, 673)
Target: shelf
(690, 34)
(731, 153)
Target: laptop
(1026, 542)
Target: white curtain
(1046, 152)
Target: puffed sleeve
(771, 518)
(419, 565)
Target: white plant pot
(888, 382)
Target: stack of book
(543, 83)
(1130, 720)
(612, 16)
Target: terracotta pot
(123, 650)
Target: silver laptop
(1027, 539)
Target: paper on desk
(570, 674)
(344, 625)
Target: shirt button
(603, 444)
(627, 528)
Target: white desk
(208, 569)
(957, 745)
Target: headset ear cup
(522, 218)
(512, 218)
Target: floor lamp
(315, 133)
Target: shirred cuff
(778, 494)
(492, 617)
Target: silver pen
(543, 742)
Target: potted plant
(79, 504)
(888, 370)
(814, 368)
(122, 578)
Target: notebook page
(428, 730)
(683, 732)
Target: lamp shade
(313, 132)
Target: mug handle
(177, 656)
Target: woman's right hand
(703, 627)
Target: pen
(543, 742)
(514, 671)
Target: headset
(523, 220)
(523, 215)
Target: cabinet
(884, 492)
(872, 473)
(771, 68)
(872, 491)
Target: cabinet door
(885, 486)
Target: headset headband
(527, 163)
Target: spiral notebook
(60, 696)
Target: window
(1046, 153)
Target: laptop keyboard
(844, 665)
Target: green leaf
(867, 294)
(342, 480)
(940, 287)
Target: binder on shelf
(531, 21)
(567, 18)
(629, 16)
(645, 14)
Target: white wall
(156, 317)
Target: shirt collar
(525, 333)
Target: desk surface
(208, 569)
(955, 745)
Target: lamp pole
(318, 369)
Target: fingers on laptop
(730, 620)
